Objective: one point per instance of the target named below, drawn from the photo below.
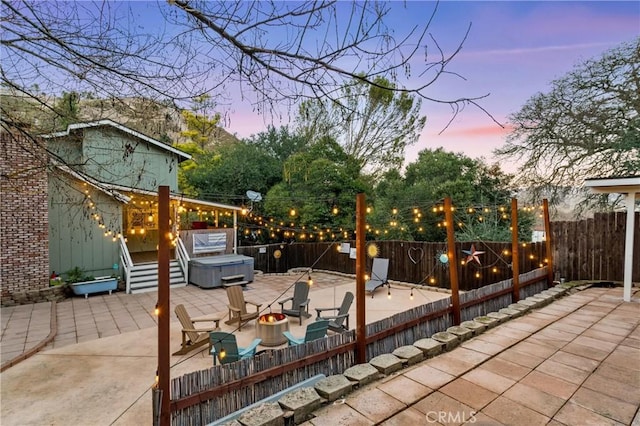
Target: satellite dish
(254, 196)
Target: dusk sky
(514, 50)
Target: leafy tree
(279, 143)
(437, 174)
(587, 125)
(385, 220)
(67, 109)
(201, 122)
(320, 185)
(188, 168)
(373, 123)
(226, 173)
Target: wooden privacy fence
(411, 262)
(204, 396)
(593, 249)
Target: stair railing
(183, 258)
(127, 263)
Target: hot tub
(207, 272)
(269, 328)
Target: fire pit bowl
(269, 328)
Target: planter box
(96, 286)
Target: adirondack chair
(299, 302)
(379, 272)
(336, 322)
(238, 307)
(224, 348)
(193, 337)
(315, 330)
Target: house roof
(620, 185)
(111, 123)
(116, 191)
(174, 196)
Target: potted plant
(82, 284)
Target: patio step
(231, 280)
(144, 276)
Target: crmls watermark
(451, 417)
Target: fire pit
(269, 328)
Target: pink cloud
(493, 130)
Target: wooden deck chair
(193, 337)
(299, 302)
(224, 348)
(336, 322)
(238, 307)
(315, 330)
(379, 272)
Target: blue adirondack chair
(224, 348)
(315, 330)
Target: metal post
(235, 232)
(628, 246)
(515, 263)
(548, 248)
(453, 260)
(163, 304)
(361, 343)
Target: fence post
(547, 233)
(515, 258)
(162, 308)
(361, 337)
(453, 260)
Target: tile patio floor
(574, 362)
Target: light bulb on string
(309, 281)
(411, 295)
(389, 293)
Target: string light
(156, 311)
(389, 293)
(411, 295)
(395, 223)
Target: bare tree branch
(587, 125)
(276, 54)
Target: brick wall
(24, 233)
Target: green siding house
(103, 200)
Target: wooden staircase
(144, 276)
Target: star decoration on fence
(472, 254)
